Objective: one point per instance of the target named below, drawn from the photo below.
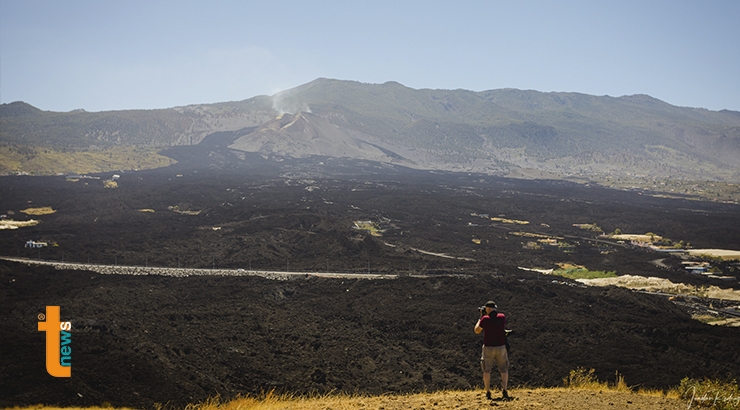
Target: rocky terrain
(140, 340)
(145, 339)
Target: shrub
(581, 378)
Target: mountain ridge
(494, 131)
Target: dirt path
(442, 255)
(521, 399)
(659, 263)
(186, 272)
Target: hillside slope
(561, 132)
(304, 134)
(495, 131)
(140, 340)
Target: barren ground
(141, 340)
(521, 399)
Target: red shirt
(493, 330)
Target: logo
(58, 343)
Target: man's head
(490, 306)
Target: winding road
(185, 272)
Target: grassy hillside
(41, 161)
(45, 142)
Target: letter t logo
(52, 328)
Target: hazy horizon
(142, 55)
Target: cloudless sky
(125, 54)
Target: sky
(132, 54)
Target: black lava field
(141, 340)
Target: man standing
(492, 324)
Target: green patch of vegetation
(369, 227)
(710, 394)
(580, 272)
(50, 161)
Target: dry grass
(581, 378)
(510, 221)
(724, 254)
(43, 407)
(581, 390)
(435, 400)
(44, 210)
(645, 238)
(653, 284)
(592, 396)
(11, 224)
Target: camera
(482, 309)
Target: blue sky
(106, 55)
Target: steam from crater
(284, 103)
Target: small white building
(34, 244)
